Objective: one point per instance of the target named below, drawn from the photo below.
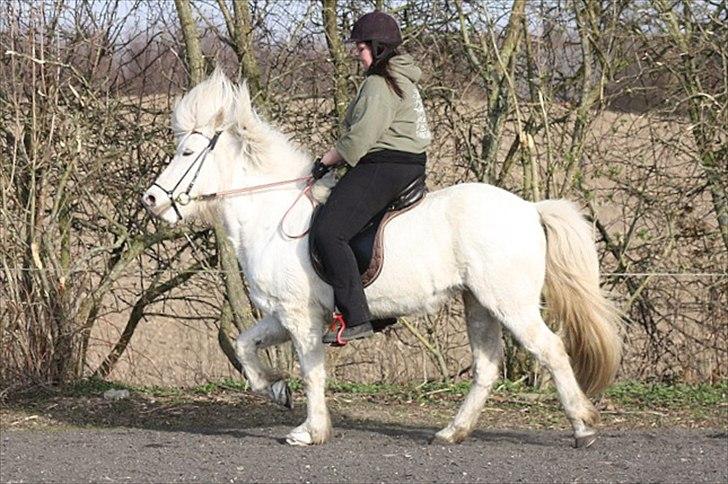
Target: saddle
(367, 245)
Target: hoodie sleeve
(367, 119)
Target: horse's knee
(484, 375)
(243, 345)
(246, 346)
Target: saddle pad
(367, 245)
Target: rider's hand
(319, 169)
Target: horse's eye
(187, 152)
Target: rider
(384, 141)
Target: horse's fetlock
(321, 436)
(592, 417)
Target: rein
(242, 191)
(184, 197)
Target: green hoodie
(378, 119)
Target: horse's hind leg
(531, 331)
(484, 333)
(266, 332)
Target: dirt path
(233, 436)
(359, 455)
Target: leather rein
(184, 197)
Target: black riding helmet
(379, 29)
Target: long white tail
(590, 322)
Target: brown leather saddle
(368, 244)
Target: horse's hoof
(450, 436)
(440, 440)
(447, 437)
(280, 393)
(299, 437)
(585, 441)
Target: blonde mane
(218, 104)
(204, 107)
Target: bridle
(184, 197)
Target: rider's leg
(362, 193)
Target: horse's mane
(217, 103)
(205, 105)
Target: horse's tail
(590, 322)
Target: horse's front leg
(266, 332)
(306, 336)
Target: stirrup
(341, 324)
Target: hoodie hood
(404, 65)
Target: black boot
(380, 325)
(339, 334)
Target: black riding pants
(362, 193)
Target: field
(597, 105)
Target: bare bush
(618, 105)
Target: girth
(368, 244)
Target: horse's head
(202, 122)
(222, 144)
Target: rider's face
(364, 53)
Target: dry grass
(510, 407)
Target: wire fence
(603, 274)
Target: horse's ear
(219, 76)
(245, 116)
(218, 120)
(226, 91)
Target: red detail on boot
(341, 324)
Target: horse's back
(457, 235)
(492, 212)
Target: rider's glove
(319, 169)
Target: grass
(631, 393)
(645, 395)
(627, 404)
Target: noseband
(184, 197)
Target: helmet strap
(381, 51)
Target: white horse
(495, 249)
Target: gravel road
(359, 455)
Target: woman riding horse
(384, 142)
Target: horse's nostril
(149, 200)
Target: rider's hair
(380, 67)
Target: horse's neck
(253, 220)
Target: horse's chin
(201, 213)
(169, 217)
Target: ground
(222, 433)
